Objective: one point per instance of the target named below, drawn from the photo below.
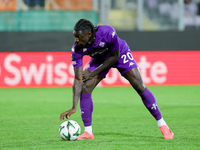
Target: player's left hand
(87, 75)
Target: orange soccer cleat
(85, 135)
(167, 133)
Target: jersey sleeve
(77, 58)
(113, 40)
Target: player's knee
(139, 86)
(87, 87)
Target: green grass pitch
(29, 119)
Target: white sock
(89, 129)
(161, 122)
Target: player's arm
(77, 88)
(108, 62)
(87, 75)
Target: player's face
(81, 38)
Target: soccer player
(106, 50)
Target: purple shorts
(125, 63)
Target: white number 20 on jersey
(126, 57)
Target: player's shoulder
(105, 29)
(106, 32)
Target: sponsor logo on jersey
(113, 34)
(72, 49)
(131, 63)
(101, 44)
(98, 52)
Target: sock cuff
(86, 95)
(144, 94)
(161, 122)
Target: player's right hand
(67, 114)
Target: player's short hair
(84, 25)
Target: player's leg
(135, 79)
(86, 103)
(86, 106)
(129, 69)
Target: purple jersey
(106, 41)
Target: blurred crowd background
(124, 15)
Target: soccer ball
(69, 130)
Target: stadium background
(36, 38)
(35, 42)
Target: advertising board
(52, 69)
